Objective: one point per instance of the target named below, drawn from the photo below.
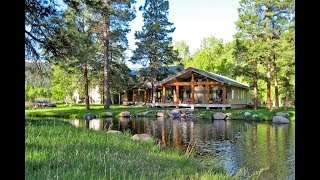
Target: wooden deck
(192, 106)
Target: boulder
(280, 119)
(114, 132)
(247, 113)
(219, 115)
(174, 114)
(89, 116)
(141, 137)
(125, 114)
(282, 114)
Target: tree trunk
(106, 66)
(153, 91)
(255, 94)
(150, 96)
(119, 99)
(287, 90)
(255, 87)
(153, 79)
(276, 88)
(269, 84)
(268, 105)
(102, 97)
(112, 100)
(86, 85)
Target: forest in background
(80, 43)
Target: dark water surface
(232, 144)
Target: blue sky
(195, 20)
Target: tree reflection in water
(231, 144)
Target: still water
(232, 144)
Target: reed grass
(54, 149)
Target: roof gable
(210, 75)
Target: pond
(231, 144)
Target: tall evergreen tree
(263, 22)
(286, 61)
(282, 24)
(154, 45)
(247, 46)
(73, 44)
(275, 17)
(42, 19)
(114, 16)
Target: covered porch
(192, 89)
(192, 106)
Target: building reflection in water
(76, 122)
(96, 124)
(232, 144)
(172, 132)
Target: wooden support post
(163, 94)
(132, 95)
(207, 92)
(192, 87)
(145, 96)
(224, 93)
(125, 97)
(177, 94)
(171, 95)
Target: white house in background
(94, 96)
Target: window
(238, 94)
(232, 94)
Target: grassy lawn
(79, 110)
(58, 150)
(263, 114)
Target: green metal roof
(211, 75)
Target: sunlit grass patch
(56, 149)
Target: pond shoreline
(225, 138)
(78, 111)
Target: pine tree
(247, 46)
(114, 16)
(154, 45)
(41, 21)
(73, 44)
(263, 22)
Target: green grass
(55, 149)
(238, 114)
(79, 110)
